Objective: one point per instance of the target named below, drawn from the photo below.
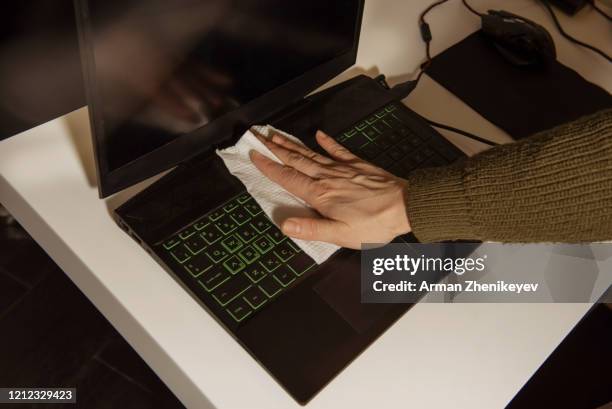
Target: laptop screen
(166, 68)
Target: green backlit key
(253, 208)
(263, 244)
(255, 272)
(226, 224)
(211, 234)
(240, 216)
(198, 265)
(270, 262)
(195, 244)
(243, 198)
(232, 243)
(239, 309)
(284, 276)
(230, 206)
(231, 289)
(216, 215)
(249, 255)
(246, 233)
(217, 252)
(255, 297)
(261, 223)
(168, 244)
(213, 278)
(276, 235)
(180, 254)
(234, 264)
(284, 252)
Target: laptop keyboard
(386, 140)
(243, 261)
(238, 256)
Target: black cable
(600, 11)
(470, 8)
(461, 132)
(569, 37)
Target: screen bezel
(202, 139)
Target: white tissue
(275, 201)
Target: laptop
(168, 83)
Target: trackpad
(341, 290)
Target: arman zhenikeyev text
(467, 286)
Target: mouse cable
(408, 86)
(600, 10)
(460, 132)
(569, 37)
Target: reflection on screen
(165, 68)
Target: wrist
(403, 221)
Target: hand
(358, 202)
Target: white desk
(436, 356)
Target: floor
(51, 335)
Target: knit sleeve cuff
(437, 205)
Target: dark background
(40, 72)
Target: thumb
(303, 228)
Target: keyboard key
(226, 224)
(217, 252)
(180, 254)
(188, 232)
(371, 120)
(284, 252)
(427, 151)
(261, 223)
(255, 272)
(249, 255)
(247, 233)
(294, 246)
(405, 146)
(255, 297)
(231, 289)
(213, 278)
(243, 198)
(263, 244)
(396, 154)
(270, 262)
(284, 276)
(239, 310)
(394, 137)
(234, 264)
(301, 264)
(270, 286)
(276, 235)
(371, 133)
(370, 151)
(232, 243)
(240, 216)
(230, 206)
(393, 122)
(211, 234)
(384, 161)
(418, 156)
(391, 108)
(252, 207)
(195, 244)
(361, 126)
(380, 127)
(216, 215)
(201, 224)
(398, 170)
(384, 141)
(381, 114)
(168, 244)
(198, 265)
(356, 142)
(350, 132)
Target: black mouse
(521, 41)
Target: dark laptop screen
(165, 68)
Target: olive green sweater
(555, 186)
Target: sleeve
(555, 186)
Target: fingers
(332, 147)
(326, 230)
(296, 147)
(298, 161)
(292, 180)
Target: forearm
(555, 186)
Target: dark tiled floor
(51, 335)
